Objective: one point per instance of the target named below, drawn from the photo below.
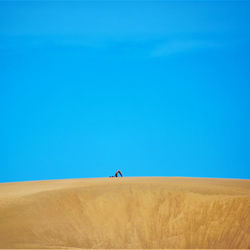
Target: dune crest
(146, 212)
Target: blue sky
(153, 88)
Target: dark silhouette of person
(118, 172)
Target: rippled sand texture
(145, 212)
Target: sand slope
(126, 213)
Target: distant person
(118, 172)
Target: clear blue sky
(150, 88)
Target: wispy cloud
(182, 46)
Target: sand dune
(155, 212)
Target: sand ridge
(135, 212)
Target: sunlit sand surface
(146, 212)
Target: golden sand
(145, 212)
